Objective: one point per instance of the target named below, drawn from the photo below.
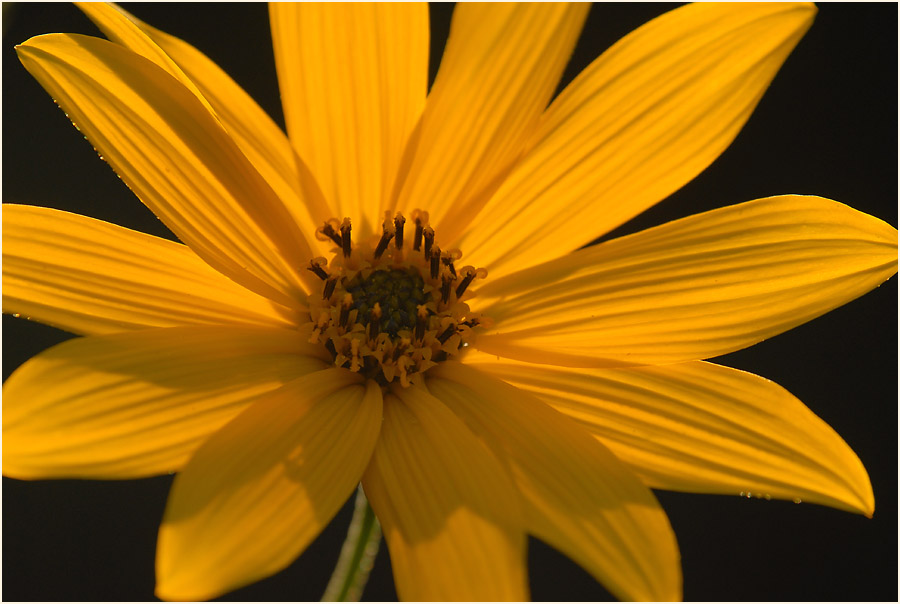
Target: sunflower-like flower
(398, 293)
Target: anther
(421, 318)
(445, 288)
(327, 231)
(315, 266)
(386, 237)
(445, 335)
(345, 237)
(428, 233)
(448, 262)
(466, 281)
(399, 221)
(329, 288)
(417, 238)
(346, 304)
(435, 261)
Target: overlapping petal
(579, 498)
(353, 79)
(89, 277)
(644, 119)
(446, 505)
(259, 490)
(138, 404)
(176, 157)
(501, 65)
(702, 428)
(120, 27)
(691, 289)
(261, 140)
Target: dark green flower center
(397, 291)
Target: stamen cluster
(393, 307)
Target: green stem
(357, 554)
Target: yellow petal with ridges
(579, 498)
(448, 509)
(177, 159)
(138, 404)
(702, 428)
(261, 140)
(690, 289)
(121, 28)
(501, 65)
(353, 80)
(641, 121)
(90, 277)
(261, 489)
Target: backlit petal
(447, 507)
(89, 277)
(259, 490)
(579, 498)
(644, 119)
(703, 428)
(353, 79)
(176, 157)
(138, 404)
(261, 140)
(691, 289)
(121, 28)
(501, 65)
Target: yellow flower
(273, 381)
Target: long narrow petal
(580, 498)
(120, 27)
(89, 277)
(447, 507)
(703, 428)
(259, 491)
(644, 119)
(353, 79)
(501, 65)
(138, 404)
(691, 289)
(176, 157)
(261, 140)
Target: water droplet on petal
(797, 500)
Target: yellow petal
(691, 289)
(579, 498)
(177, 159)
(259, 491)
(89, 277)
(353, 79)
(501, 65)
(138, 404)
(447, 507)
(703, 428)
(120, 27)
(261, 140)
(641, 121)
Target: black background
(827, 126)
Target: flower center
(393, 307)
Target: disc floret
(393, 307)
